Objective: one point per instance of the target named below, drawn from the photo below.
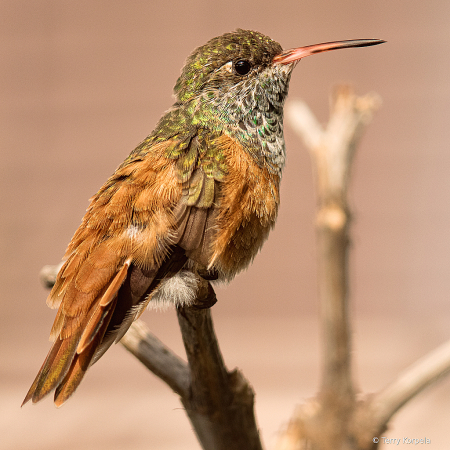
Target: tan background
(82, 82)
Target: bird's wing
(154, 213)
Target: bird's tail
(70, 357)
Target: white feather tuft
(180, 289)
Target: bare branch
(48, 275)
(304, 123)
(325, 422)
(157, 357)
(411, 382)
(335, 419)
(221, 403)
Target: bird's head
(238, 82)
(243, 61)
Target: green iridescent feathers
(213, 99)
(204, 61)
(199, 164)
(199, 160)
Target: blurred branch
(335, 419)
(48, 274)
(325, 422)
(411, 382)
(332, 152)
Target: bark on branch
(220, 405)
(158, 358)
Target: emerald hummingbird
(196, 199)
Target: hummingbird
(195, 199)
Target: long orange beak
(295, 54)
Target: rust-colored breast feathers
(248, 208)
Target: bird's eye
(242, 67)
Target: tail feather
(104, 309)
(83, 358)
(55, 367)
(72, 352)
(80, 340)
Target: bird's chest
(247, 209)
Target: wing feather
(155, 212)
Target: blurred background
(83, 82)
